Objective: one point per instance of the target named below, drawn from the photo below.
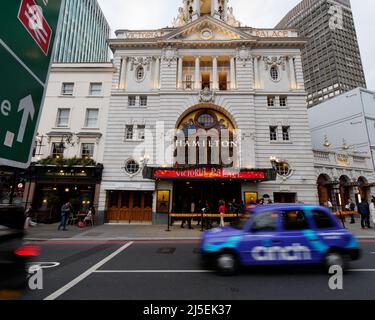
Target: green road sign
(27, 34)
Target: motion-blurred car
(280, 235)
(14, 255)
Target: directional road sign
(27, 34)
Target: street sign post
(27, 34)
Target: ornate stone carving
(243, 55)
(170, 55)
(140, 61)
(274, 61)
(206, 95)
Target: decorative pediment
(208, 29)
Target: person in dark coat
(364, 211)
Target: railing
(321, 155)
(190, 85)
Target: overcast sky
(154, 14)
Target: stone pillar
(197, 76)
(123, 69)
(179, 73)
(232, 73)
(197, 9)
(256, 73)
(157, 73)
(293, 81)
(215, 75)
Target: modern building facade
(331, 59)
(84, 33)
(343, 136)
(68, 157)
(203, 111)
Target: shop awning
(209, 173)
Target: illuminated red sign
(31, 16)
(209, 173)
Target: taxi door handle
(276, 241)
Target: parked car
(14, 255)
(280, 235)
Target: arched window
(283, 168)
(274, 73)
(132, 167)
(140, 73)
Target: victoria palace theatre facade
(203, 111)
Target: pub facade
(205, 111)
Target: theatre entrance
(185, 193)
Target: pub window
(273, 133)
(57, 150)
(87, 150)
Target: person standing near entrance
(222, 211)
(372, 210)
(364, 210)
(351, 207)
(66, 210)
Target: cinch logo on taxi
(294, 252)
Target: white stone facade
(171, 66)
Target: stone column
(157, 73)
(256, 73)
(123, 69)
(293, 81)
(179, 73)
(197, 76)
(215, 75)
(232, 73)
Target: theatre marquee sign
(209, 173)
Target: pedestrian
(66, 210)
(28, 220)
(222, 211)
(351, 208)
(330, 205)
(372, 210)
(364, 211)
(90, 216)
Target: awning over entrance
(208, 173)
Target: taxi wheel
(226, 264)
(334, 259)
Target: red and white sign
(209, 173)
(31, 16)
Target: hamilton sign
(28, 29)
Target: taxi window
(265, 222)
(295, 220)
(322, 220)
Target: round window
(131, 167)
(283, 168)
(206, 120)
(274, 73)
(140, 73)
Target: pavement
(140, 232)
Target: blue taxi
(288, 234)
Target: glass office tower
(84, 33)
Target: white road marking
(84, 275)
(153, 271)
(361, 270)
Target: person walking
(372, 210)
(222, 211)
(351, 207)
(66, 210)
(364, 211)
